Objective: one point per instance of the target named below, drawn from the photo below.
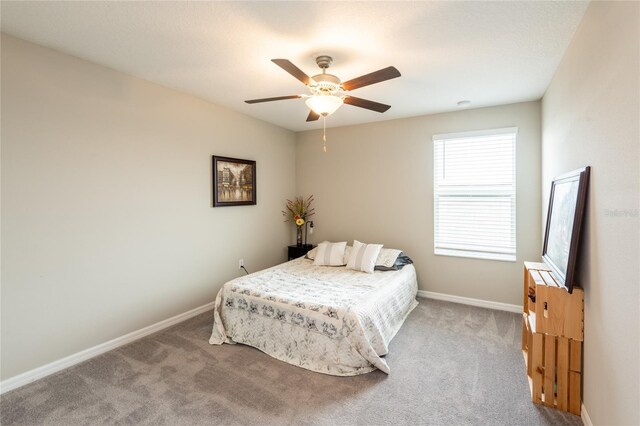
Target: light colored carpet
(450, 365)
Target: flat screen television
(564, 221)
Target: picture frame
(565, 215)
(233, 182)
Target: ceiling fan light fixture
(324, 104)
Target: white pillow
(363, 256)
(330, 254)
(311, 254)
(387, 257)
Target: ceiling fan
(328, 92)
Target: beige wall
(591, 117)
(107, 224)
(375, 184)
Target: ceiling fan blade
(371, 78)
(312, 116)
(278, 98)
(366, 104)
(286, 65)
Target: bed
(331, 320)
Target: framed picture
(234, 182)
(564, 221)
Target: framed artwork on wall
(564, 222)
(234, 182)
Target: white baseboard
(66, 362)
(469, 301)
(586, 420)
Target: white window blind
(475, 194)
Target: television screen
(564, 221)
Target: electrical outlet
(240, 263)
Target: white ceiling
(491, 53)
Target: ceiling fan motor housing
(325, 84)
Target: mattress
(330, 320)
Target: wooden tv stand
(552, 335)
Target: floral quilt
(326, 319)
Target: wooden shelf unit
(552, 335)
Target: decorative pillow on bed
(330, 254)
(311, 254)
(387, 257)
(363, 256)
(401, 261)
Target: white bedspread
(327, 319)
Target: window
(475, 194)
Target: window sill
(475, 255)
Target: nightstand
(296, 251)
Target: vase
(299, 236)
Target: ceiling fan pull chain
(324, 133)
